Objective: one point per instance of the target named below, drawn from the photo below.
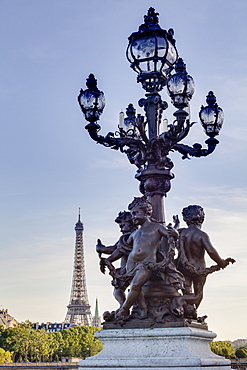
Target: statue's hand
(172, 232)
(100, 247)
(176, 221)
(226, 262)
(102, 265)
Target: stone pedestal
(180, 348)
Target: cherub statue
(142, 259)
(192, 245)
(120, 250)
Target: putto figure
(193, 243)
(120, 250)
(163, 291)
(142, 260)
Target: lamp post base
(180, 348)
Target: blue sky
(50, 167)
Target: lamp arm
(196, 150)
(136, 148)
(176, 134)
(211, 143)
(109, 140)
(184, 132)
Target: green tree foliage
(79, 342)
(2, 334)
(241, 352)
(223, 348)
(18, 340)
(5, 356)
(31, 345)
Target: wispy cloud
(114, 163)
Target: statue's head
(125, 221)
(193, 215)
(143, 204)
(123, 216)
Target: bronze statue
(120, 250)
(193, 243)
(142, 259)
(164, 291)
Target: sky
(50, 167)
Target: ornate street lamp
(180, 86)
(211, 116)
(157, 291)
(91, 100)
(152, 54)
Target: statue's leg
(119, 295)
(198, 284)
(142, 305)
(187, 285)
(140, 278)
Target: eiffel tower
(79, 309)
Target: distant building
(6, 319)
(238, 343)
(96, 319)
(52, 327)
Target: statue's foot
(202, 319)
(122, 314)
(144, 314)
(108, 316)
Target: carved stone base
(149, 323)
(160, 305)
(181, 348)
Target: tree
(31, 345)
(241, 352)
(5, 356)
(223, 348)
(39, 348)
(90, 345)
(80, 341)
(19, 341)
(2, 339)
(56, 344)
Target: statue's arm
(170, 232)
(163, 231)
(212, 252)
(116, 255)
(130, 239)
(101, 248)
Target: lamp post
(153, 56)
(163, 293)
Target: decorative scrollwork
(152, 149)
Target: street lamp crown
(91, 82)
(151, 19)
(151, 22)
(211, 98)
(180, 66)
(152, 53)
